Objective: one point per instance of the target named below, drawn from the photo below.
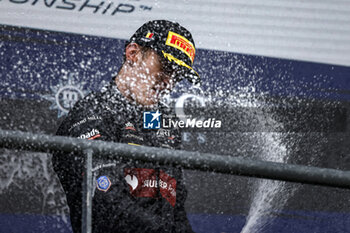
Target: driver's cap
(172, 42)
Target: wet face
(145, 77)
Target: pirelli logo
(177, 41)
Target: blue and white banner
(316, 31)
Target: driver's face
(149, 80)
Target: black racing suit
(128, 196)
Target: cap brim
(191, 75)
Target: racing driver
(130, 196)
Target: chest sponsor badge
(103, 183)
(144, 182)
(94, 133)
(130, 126)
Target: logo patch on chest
(145, 182)
(103, 183)
(130, 126)
(94, 133)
